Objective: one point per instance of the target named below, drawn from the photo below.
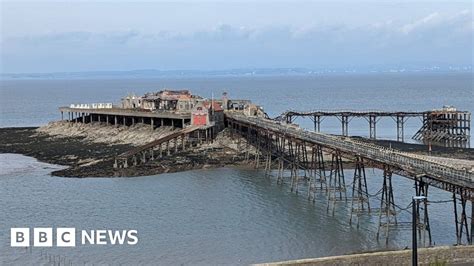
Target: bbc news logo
(66, 237)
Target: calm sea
(218, 216)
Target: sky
(67, 36)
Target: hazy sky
(38, 36)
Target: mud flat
(89, 150)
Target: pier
(286, 147)
(317, 159)
(444, 125)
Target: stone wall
(445, 255)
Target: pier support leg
(344, 125)
(115, 121)
(461, 222)
(400, 127)
(152, 123)
(387, 215)
(472, 222)
(337, 183)
(360, 194)
(373, 127)
(422, 223)
(317, 123)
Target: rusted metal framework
(387, 212)
(445, 126)
(360, 202)
(448, 126)
(301, 154)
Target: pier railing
(352, 112)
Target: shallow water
(218, 216)
(215, 216)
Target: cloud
(420, 23)
(430, 38)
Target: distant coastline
(252, 72)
